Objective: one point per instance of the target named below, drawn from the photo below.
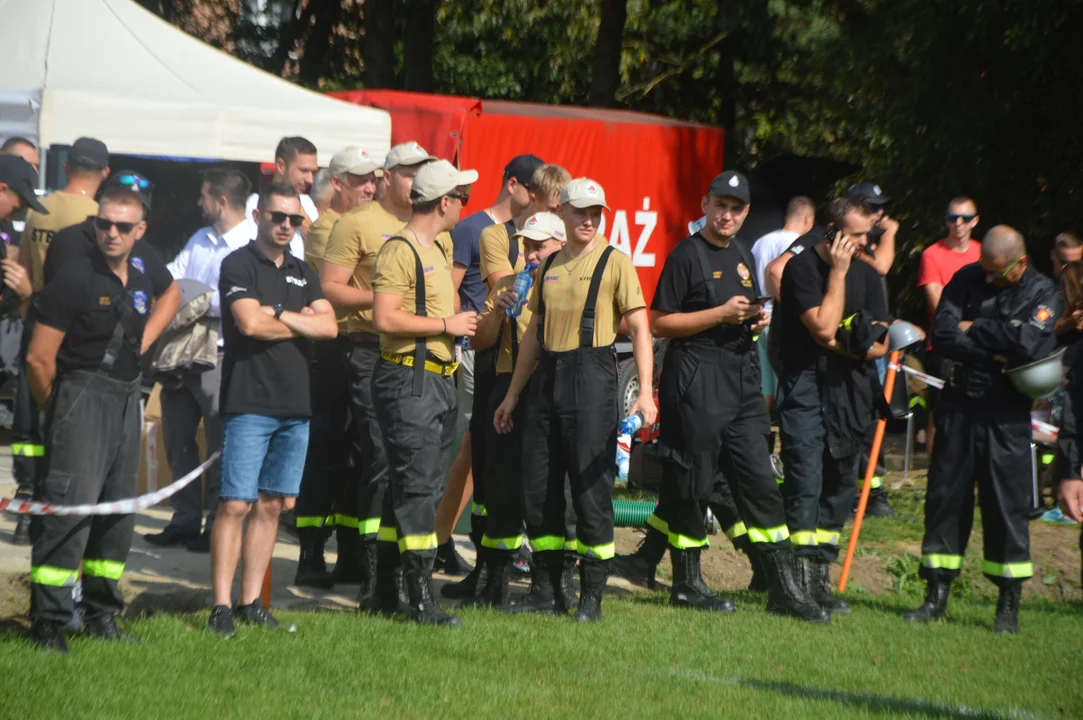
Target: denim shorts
(262, 455)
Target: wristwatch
(278, 311)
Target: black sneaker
(49, 636)
(106, 628)
(172, 536)
(449, 561)
(256, 614)
(221, 621)
(21, 536)
(200, 543)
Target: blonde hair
(549, 180)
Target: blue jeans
(262, 454)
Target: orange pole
(266, 596)
(870, 470)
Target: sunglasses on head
(280, 217)
(464, 199)
(955, 217)
(134, 181)
(122, 227)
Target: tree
(380, 43)
(418, 51)
(605, 78)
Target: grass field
(644, 660)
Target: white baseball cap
(355, 161)
(583, 193)
(407, 154)
(439, 177)
(543, 226)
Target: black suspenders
(513, 244)
(586, 324)
(123, 311)
(420, 343)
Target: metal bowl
(903, 334)
(1039, 380)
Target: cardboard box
(154, 472)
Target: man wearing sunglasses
(296, 165)
(272, 307)
(939, 263)
(93, 324)
(993, 314)
(413, 390)
(1067, 248)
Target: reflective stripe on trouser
(328, 482)
(712, 446)
(501, 473)
(27, 450)
(570, 420)
(990, 448)
(28, 467)
(93, 440)
(373, 500)
(418, 435)
(820, 489)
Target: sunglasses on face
(953, 218)
(134, 181)
(464, 199)
(280, 217)
(122, 227)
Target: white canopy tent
(110, 69)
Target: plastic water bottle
(628, 427)
(631, 424)
(523, 280)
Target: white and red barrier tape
(118, 507)
(1036, 425)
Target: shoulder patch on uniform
(797, 250)
(139, 300)
(1041, 316)
(234, 290)
(137, 263)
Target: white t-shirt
(297, 245)
(766, 250)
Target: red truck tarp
(654, 169)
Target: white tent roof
(110, 69)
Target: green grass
(644, 660)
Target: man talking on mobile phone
(834, 316)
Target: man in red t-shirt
(939, 262)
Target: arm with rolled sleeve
(1024, 339)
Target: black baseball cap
(730, 184)
(522, 168)
(135, 182)
(20, 176)
(868, 193)
(89, 152)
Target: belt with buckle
(439, 368)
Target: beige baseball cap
(407, 154)
(439, 177)
(355, 161)
(583, 193)
(543, 226)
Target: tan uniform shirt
(494, 251)
(395, 273)
(64, 209)
(504, 360)
(315, 247)
(565, 287)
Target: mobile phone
(830, 234)
(762, 300)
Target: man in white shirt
(222, 200)
(799, 219)
(296, 165)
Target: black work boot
(469, 586)
(878, 505)
(496, 592)
(423, 609)
(688, 589)
(785, 596)
(544, 580)
(937, 590)
(106, 628)
(21, 536)
(369, 566)
(450, 562)
(49, 636)
(566, 596)
(815, 577)
(640, 567)
(1007, 617)
(592, 577)
(760, 581)
(388, 596)
(348, 569)
(311, 566)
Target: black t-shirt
(806, 241)
(265, 377)
(80, 240)
(86, 302)
(804, 284)
(682, 287)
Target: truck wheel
(627, 385)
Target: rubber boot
(785, 596)
(592, 578)
(423, 609)
(389, 594)
(640, 567)
(348, 570)
(311, 566)
(450, 562)
(496, 592)
(816, 579)
(1007, 617)
(469, 586)
(878, 505)
(370, 563)
(544, 580)
(688, 589)
(21, 536)
(760, 581)
(935, 606)
(566, 596)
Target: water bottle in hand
(624, 457)
(630, 424)
(523, 280)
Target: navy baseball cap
(522, 168)
(868, 193)
(20, 176)
(136, 183)
(730, 184)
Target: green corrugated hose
(632, 513)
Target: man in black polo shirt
(272, 305)
(83, 366)
(833, 317)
